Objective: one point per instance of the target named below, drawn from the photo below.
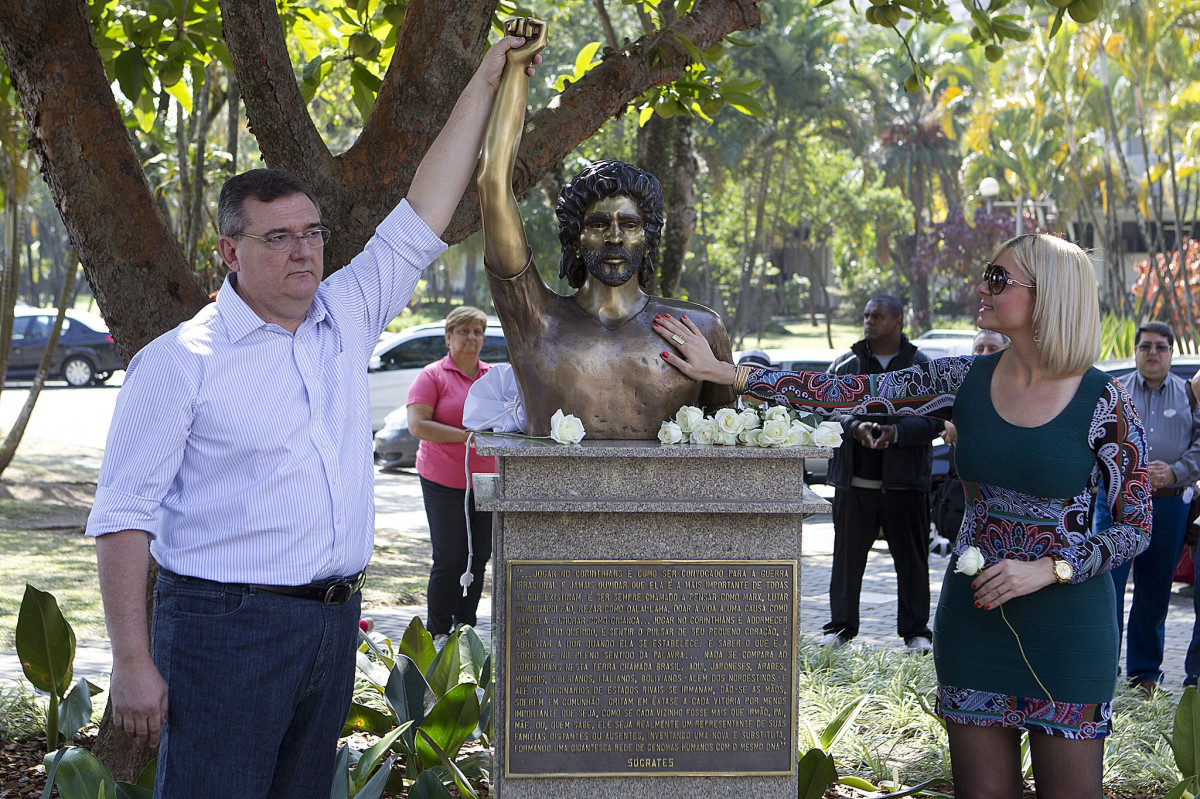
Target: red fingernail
(665, 356)
(684, 316)
(987, 607)
(977, 605)
(658, 316)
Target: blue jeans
(258, 689)
(1153, 572)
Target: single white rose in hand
(774, 432)
(750, 437)
(777, 412)
(705, 432)
(688, 417)
(750, 420)
(970, 562)
(828, 434)
(729, 421)
(566, 429)
(670, 433)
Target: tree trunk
(134, 264)
(666, 150)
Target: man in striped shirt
(240, 458)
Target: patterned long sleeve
(927, 389)
(1120, 444)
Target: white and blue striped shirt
(245, 451)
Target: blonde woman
(1037, 429)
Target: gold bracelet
(741, 375)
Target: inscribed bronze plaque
(650, 668)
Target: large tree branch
(132, 260)
(277, 112)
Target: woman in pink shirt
(435, 414)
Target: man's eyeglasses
(315, 238)
(1158, 346)
(997, 278)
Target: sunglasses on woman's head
(997, 278)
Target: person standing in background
(881, 477)
(435, 416)
(1170, 416)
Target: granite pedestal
(645, 617)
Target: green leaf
(131, 72)
(367, 719)
(1185, 735)
(375, 786)
(80, 775)
(740, 84)
(453, 665)
(417, 643)
(816, 772)
(45, 642)
(364, 98)
(374, 671)
(341, 774)
(146, 778)
(428, 786)
(836, 728)
(460, 779)
(586, 59)
(744, 103)
(450, 722)
(1181, 789)
(76, 710)
(126, 790)
(370, 759)
(409, 696)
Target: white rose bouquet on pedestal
(776, 426)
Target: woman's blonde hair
(1066, 308)
(465, 315)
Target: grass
(896, 732)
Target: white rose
(705, 432)
(725, 438)
(777, 412)
(750, 420)
(970, 562)
(750, 437)
(828, 434)
(729, 421)
(688, 417)
(774, 432)
(799, 434)
(670, 433)
(566, 429)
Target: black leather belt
(333, 591)
(1159, 493)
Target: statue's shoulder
(694, 311)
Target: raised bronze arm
(505, 248)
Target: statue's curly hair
(601, 180)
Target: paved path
(399, 508)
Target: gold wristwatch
(1063, 570)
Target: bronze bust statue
(593, 354)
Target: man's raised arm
(446, 169)
(505, 248)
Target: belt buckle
(342, 590)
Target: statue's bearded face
(613, 240)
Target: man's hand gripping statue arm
(506, 250)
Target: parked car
(394, 366)
(86, 354)
(941, 343)
(398, 359)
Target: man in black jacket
(881, 475)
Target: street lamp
(989, 188)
